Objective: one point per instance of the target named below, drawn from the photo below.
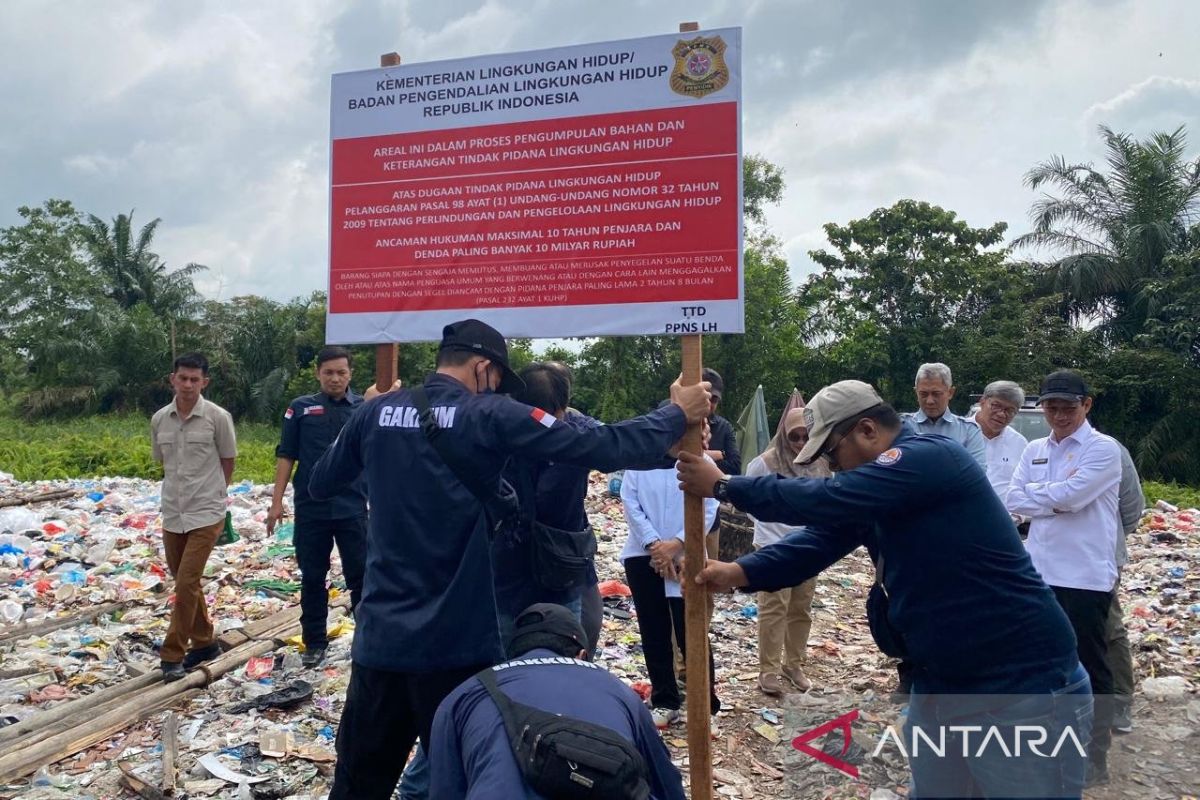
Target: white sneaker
(663, 717)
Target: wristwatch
(721, 489)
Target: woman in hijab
(784, 617)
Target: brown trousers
(784, 623)
(187, 553)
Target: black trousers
(1088, 612)
(657, 614)
(593, 616)
(385, 714)
(314, 540)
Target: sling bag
(500, 502)
(564, 758)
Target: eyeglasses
(798, 437)
(828, 452)
(1008, 412)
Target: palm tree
(133, 273)
(1109, 233)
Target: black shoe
(313, 657)
(194, 658)
(172, 671)
(1097, 774)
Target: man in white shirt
(1068, 484)
(653, 504)
(1002, 444)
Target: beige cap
(832, 405)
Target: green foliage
(902, 287)
(132, 273)
(1111, 232)
(110, 445)
(1173, 493)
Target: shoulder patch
(546, 420)
(289, 413)
(889, 457)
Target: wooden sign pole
(696, 597)
(387, 356)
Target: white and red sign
(579, 191)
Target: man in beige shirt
(195, 442)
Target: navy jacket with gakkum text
(427, 599)
(973, 613)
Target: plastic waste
(11, 611)
(16, 520)
(285, 532)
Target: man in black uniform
(428, 617)
(310, 424)
(723, 445)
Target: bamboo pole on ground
(58, 623)
(111, 710)
(46, 722)
(170, 746)
(19, 760)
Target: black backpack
(563, 758)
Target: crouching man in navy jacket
(472, 756)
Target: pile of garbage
(84, 603)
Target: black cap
(547, 618)
(718, 384)
(474, 336)
(1064, 384)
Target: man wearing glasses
(1003, 443)
(956, 593)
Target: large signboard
(579, 191)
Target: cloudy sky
(214, 116)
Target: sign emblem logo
(700, 67)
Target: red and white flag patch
(289, 413)
(541, 416)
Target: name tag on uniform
(314, 410)
(1037, 461)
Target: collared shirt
(1070, 490)
(972, 612)
(470, 753)
(428, 601)
(653, 504)
(954, 427)
(190, 450)
(310, 425)
(1003, 453)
